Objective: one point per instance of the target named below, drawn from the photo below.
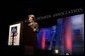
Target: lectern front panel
(14, 34)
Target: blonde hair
(32, 17)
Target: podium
(21, 35)
(29, 37)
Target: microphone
(34, 26)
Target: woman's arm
(35, 27)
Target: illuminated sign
(61, 13)
(14, 34)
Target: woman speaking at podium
(32, 23)
(30, 29)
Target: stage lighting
(56, 51)
(67, 53)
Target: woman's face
(30, 19)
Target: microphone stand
(13, 39)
